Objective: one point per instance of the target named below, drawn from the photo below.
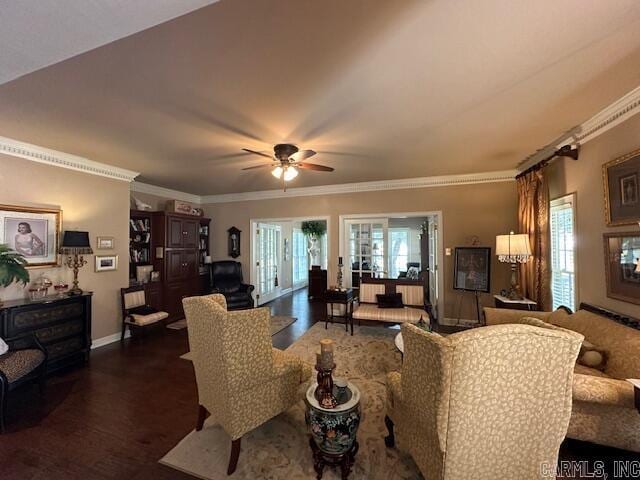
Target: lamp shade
(74, 242)
(513, 248)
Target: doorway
(281, 257)
(394, 245)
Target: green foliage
(314, 228)
(12, 267)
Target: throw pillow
(592, 356)
(4, 348)
(391, 300)
(413, 273)
(143, 310)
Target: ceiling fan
(286, 161)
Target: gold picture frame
(105, 243)
(621, 259)
(106, 263)
(621, 178)
(34, 232)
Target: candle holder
(340, 273)
(324, 391)
(325, 366)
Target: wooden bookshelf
(203, 245)
(140, 224)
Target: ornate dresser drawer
(62, 324)
(35, 317)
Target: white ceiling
(382, 89)
(39, 33)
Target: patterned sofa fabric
(603, 410)
(506, 388)
(242, 380)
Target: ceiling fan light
(277, 172)
(290, 173)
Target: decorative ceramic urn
(333, 430)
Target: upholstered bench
(412, 298)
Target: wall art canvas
(472, 269)
(32, 232)
(622, 190)
(622, 265)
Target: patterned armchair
(26, 360)
(491, 402)
(242, 380)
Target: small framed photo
(622, 190)
(32, 232)
(106, 263)
(105, 243)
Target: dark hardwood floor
(116, 418)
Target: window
(300, 257)
(563, 278)
(399, 251)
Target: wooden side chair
(25, 361)
(135, 310)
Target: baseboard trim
(101, 342)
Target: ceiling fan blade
(313, 166)
(260, 166)
(301, 155)
(258, 153)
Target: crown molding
(401, 184)
(55, 158)
(165, 192)
(606, 119)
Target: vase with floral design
(333, 430)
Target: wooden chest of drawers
(62, 324)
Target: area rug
(278, 323)
(279, 449)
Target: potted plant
(314, 230)
(12, 268)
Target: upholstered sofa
(603, 401)
(490, 402)
(412, 298)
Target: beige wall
(584, 177)
(484, 210)
(96, 204)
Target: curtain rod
(564, 151)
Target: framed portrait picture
(622, 189)
(106, 263)
(622, 265)
(105, 243)
(32, 232)
(472, 269)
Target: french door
(366, 244)
(268, 263)
(433, 265)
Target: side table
(333, 431)
(523, 304)
(340, 297)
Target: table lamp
(513, 249)
(75, 244)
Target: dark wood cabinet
(177, 248)
(61, 324)
(317, 283)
